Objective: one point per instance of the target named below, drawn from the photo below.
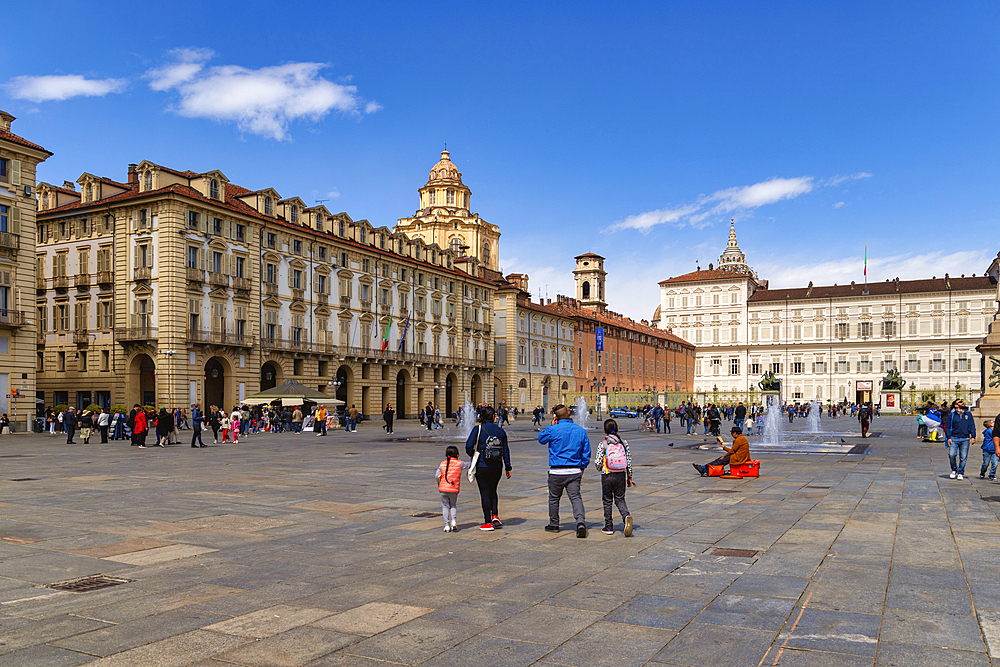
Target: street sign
(600, 339)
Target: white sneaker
(961, 477)
(447, 529)
(454, 525)
(953, 474)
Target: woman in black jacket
(388, 416)
(164, 426)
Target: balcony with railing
(420, 315)
(242, 283)
(11, 319)
(298, 294)
(40, 283)
(322, 299)
(10, 241)
(60, 282)
(81, 337)
(143, 273)
(437, 318)
(136, 333)
(40, 338)
(83, 280)
(271, 289)
(219, 338)
(105, 277)
(218, 279)
(345, 302)
(366, 306)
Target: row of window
(82, 358)
(938, 363)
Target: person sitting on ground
(738, 454)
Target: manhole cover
(859, 449)
(718, 491)
(735, 553)
(426, 515)
(25, 479)
(88, 584)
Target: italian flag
(866, 260)
(385, 336)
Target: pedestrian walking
(164, 427)
(449, 476)
(387, 416)
(990, 459)
(569, 455)
(86, 426)
(960, 432)
(103, 424)
(487, 446)
(197, 418)
(614, 461)
(352, 419)
(69, 423)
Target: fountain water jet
(773, 420)
(815, 410)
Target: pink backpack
(614, 456)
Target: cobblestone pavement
(294, 550)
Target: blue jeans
(738, 423)
(352, 424)
(958, 452)
(688, 427)
(657, 420)
(990, 461)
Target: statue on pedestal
(769, 382)
(893, 381)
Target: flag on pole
(866, 261)
(385, 336)
(402, 339)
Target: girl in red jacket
(449, 476)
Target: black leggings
(488, 479)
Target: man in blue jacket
(569, 455)
(960, 430)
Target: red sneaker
(486, 526)
(496, 522)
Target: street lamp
(170, 355)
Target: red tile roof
(889, 287)
(13, 138)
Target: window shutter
(135, 252)
(15, 172)
(15, 220)
(279, 331)
(204, 224)
(201, 259)
(918, 365)
(151, 263)
(289, 276)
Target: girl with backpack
(487, 445)
(614, 460)
(449, 476)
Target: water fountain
(773, 421)
(468, 420)
(582, 415)
(815, 410)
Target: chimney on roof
(5, 120)
(69, 185)
(133, 174)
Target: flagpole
(865, 291)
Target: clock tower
(589, 276)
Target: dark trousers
(721, 461)
(571, 483)
(613, 492)
(666, 423)
(196, 434)
(70, 432)
(864, 428)
(388, 425)
(488, 479)
(104, 433)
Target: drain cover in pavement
(426, 515)
(718, 491)
(87, 584)
(25, 479)
(817, 487)
(735, 553)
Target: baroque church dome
(445, 172)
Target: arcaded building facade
(179, 287)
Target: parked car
(624, 412)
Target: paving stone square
(289, 550)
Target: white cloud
(838, 204)
(903, 266)
(187, 63)
(261, 101)
(55, 87)
(740, 198)
(333, 194)
(839, 178)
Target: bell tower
(589, 276)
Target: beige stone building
(177, 287)
(445, 217)
(829, 342)
(18, 161)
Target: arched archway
(344, 377)
(402, 393)
(270, 375)
(586, 289)
(142, 380)
(215, 383)
(450, 387)
(476, 386)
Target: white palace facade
(830, 342)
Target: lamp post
(170, 356)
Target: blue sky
(635, 131)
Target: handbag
(475, 457)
